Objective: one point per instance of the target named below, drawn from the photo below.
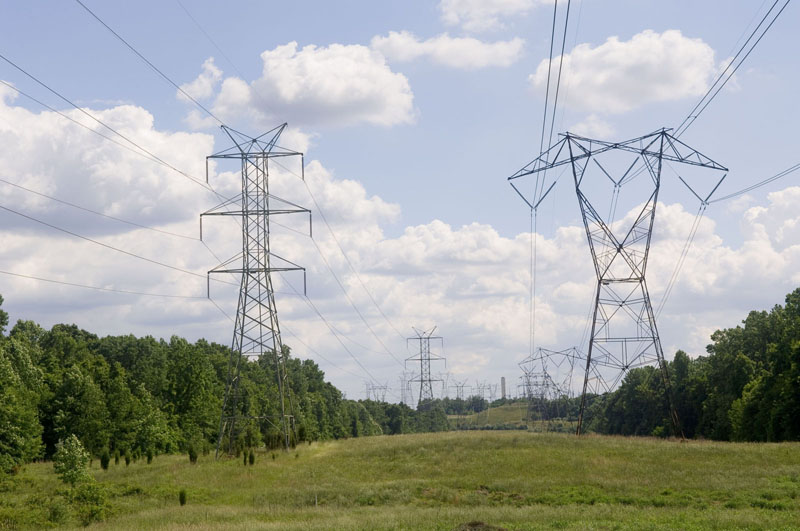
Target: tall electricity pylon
(256, 331)
(624, 333)
(425, 378)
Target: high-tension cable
(148, 63)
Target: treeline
(747, 387)
(135, 397)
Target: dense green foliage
(747, 387)
(135, 397)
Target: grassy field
(510, 479)
(508, 416)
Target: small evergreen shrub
(192, 454)
(105, 458)
(182, 497)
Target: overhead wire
(722, 79)
(148, 63)
(97, 213)
(347, 259)
(107, 246)
(171, 82)
(100, 288)
(142, 152)
(759, 184)
(541, 177)
(152, 156)
(313, 306)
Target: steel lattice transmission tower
(425, 378)
(623, 329)
(256, 330)
(547, 380)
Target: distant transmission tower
(460, 389)
(624, 333)
(425, 378)
(256, 331)
(376, 393)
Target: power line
(107, 246)
(123, 146)
(313, 306)
(558, 79)
(349, 263)
(152, 156)
(79, 207)
(759, 184)
(316, 353)
(347, 296)
(695, 113)
(151, 65)
(341, 250)
(230, 61)
(322, 214)
(98, 288)
(681, 259)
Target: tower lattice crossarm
(256, 332)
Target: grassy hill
(516, 480)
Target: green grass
(509, 416)
(516, 480)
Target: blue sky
(412, 115)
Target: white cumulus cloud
(315, 85)
(593, 127)
(465, 53)
(204, 85)
(483, 15)
(618, 76)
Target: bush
(192, 454)
(116, 457)
(105, 458)
(127, 459)
(252, 457)
(57, 511)
(244, 459)
(149, 456)
(71, 461)
(182, 497)
(89, 500)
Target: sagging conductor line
(256, 333)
